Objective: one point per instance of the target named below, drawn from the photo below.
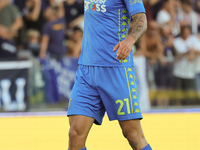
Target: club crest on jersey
(96, 5)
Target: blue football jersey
(106, 23)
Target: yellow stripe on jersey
(129, 89)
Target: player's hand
(124, 48)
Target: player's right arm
(139, 28)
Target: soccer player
(105, 79)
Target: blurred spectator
(53, 35)
(45, 4)
(7, 47)
(156, 5)
(73, 14)
(170, 14)
(176, 25)
(150, 46)
(74, 44)
(33, 16)
(196, 5)
(189, 16)
(20, 4)
(164, 73)
(10, 23)
(33, 42)
(58, 4)
(184, 69)
(10, 17)
(167, 15)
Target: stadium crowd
(54, 29)
(40, 26)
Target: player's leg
(85, 108)
(79, 129)
(121, 100)
(132, 131)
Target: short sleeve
(46, 30)
(196, 43)
(15, 12)
(163, 17)
(180, 45)
(134, 6)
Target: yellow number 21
(120, 112)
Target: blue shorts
(100, 89)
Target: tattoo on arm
(139, 25)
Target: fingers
(116, 47)
(122, 53)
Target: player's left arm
(139, 28)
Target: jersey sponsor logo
(135, 1)
(95, 5)
(59, 26)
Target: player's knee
(130, 135)
(133, 136)
(74, 134)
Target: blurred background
(40, 44)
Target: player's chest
(102, 6)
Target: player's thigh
(119, 92)
(85, 99)
(80, 125)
